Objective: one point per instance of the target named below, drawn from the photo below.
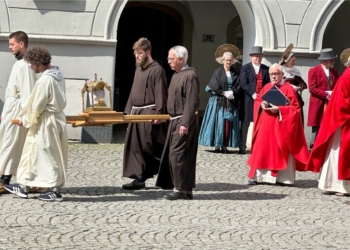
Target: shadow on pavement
(306, 183)
(219, 187)
(230, 151)
(111, 194)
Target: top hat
(256, 50)
(227, 48)
(287, 54)
(345, 56)
(327, 54)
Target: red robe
(273, 140)
(337, 115)
(318, 84)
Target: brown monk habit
(144, 142)
(178, 163)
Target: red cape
(337, 115)
(273, 139)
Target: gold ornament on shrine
(98, 114)
(96, 95)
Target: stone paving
(225, 213)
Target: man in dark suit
(321, 79)
(253, 77)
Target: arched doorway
(234, 35)
(162, 25)
(337, 27)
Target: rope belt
(142, 107)
(179, 116)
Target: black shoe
(225, 151)
(241, 152)
(176, 196)
(17, 190)
(189, 196)
(251, 182)
(134, 185)
(217, 150)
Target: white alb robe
(286, 176)
(45, 153)
(328, 180)
(12, 137)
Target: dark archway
(336, 35)
(160, 24)
(234, 35)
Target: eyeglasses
(275, 74)
(171, 58)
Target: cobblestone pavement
(225, 214)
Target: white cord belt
(142, 107)
(179, 116)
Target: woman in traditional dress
(293, 76)
(220, 125)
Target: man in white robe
(20, 84)
(45, 153)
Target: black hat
(256, 50)
(327, 54)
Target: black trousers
(314, 132)
(244, 133)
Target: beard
(141, 62)
(15, 53)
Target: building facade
(95, 36)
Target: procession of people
(269, 98)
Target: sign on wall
(208, 38)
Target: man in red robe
(332, 146)
(278, 144)
(321, 79)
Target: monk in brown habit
(144, 142)
(178, 163)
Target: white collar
(256, 68)
(280, 84)
(184, 67)
(290, 72)
(326, 71)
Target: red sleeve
(292, 127)
(290, 130)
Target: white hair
(180, 52)
(227, 53)
(276, 65)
